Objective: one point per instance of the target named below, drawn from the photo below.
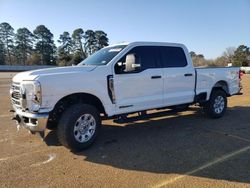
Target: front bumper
(33, 122)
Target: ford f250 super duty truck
(114, 81)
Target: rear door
(139, 89)
(179, 76)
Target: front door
(138, 81)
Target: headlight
(33, 94)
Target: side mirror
(130, 63)
(136, 66)
(119, 64)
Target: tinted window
(145, 56)
(172, 56)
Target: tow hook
(18, 120)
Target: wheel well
(223, 86)
(201, 97)
(75, 98)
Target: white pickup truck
(113, 82)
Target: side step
(240, 93)
(125, 119)
(144, 115)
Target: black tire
(52, 125)
(68, 122)
(210, 107)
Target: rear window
(172, 56)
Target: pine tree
(65, 49)
(77, 37)
(241, 54)
(2, 59)
(6, 38)
(45, 45)
(90, 41)
(101, 39)
(24, 44)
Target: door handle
(188, 74)
(155, 77)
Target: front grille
(16, 94)
(16, 103)
(15, 86)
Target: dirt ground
(169, 149)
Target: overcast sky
(206, 27)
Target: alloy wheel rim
(219, 104)
(84, 128)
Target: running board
(142, 116)
(125, 119)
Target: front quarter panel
(55, 87)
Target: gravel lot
(169, 149)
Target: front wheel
(78, 126)
(217, 104)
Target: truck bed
(207, 77)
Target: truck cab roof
(141, 43)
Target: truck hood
(32, 75)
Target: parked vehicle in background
(245, 70)
(117, 80)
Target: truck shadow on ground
(176, 143)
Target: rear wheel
(78, 126)
(217, 104)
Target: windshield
(103, 56)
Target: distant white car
(117, 80)
(246, 70)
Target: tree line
(24, 47)
(239, 56)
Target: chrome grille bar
(16, 94)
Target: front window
(103, 56)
